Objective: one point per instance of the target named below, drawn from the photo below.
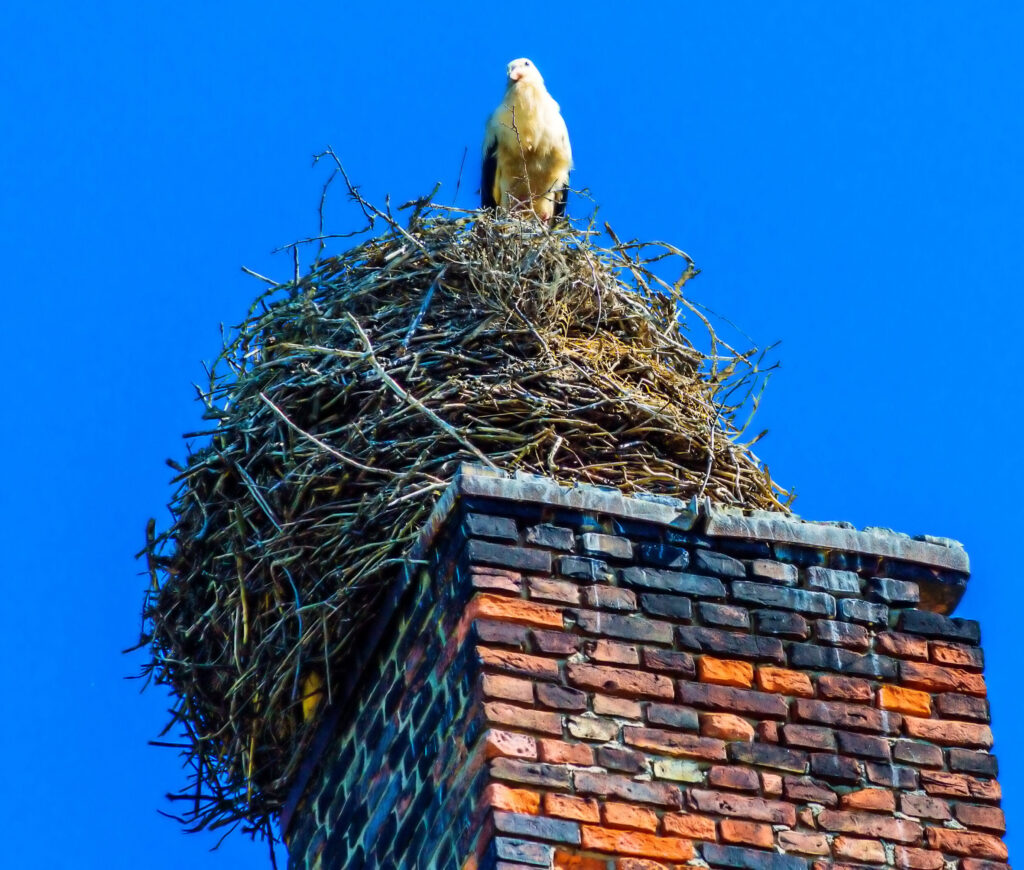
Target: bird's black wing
(488, 171)
(561, 198)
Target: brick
(682, 718)
(805, 844)
(609, 598)
(636, 843)
(894, 591)
(555, 642)
(509, 744)
(967, 761)
(515, 800)
(620, 681)
(784, 682)
(891, 775)
(689, 825)
(606, 785)
(867, 825)
(725, 726)
(949, 732)
(832, 580)
(552, 537)
(606, 546)
(736, 700)
(678, 770)
(966, 843)
(855, 849)
(821, 658)
(509, 688)
(937, 626)
(922, 806)
(934, 678)
(963, 707)
(582, 568)
(845, 689)
(612, 652)
(715, 640)
(864, 745)
(835, 768)
(731, 804)
(809, 736)
(506, 556)
(554, 590)
(522, 717)
(540, 827)
(680, 663)
(723, 615)
(530, 772)
(938, 782)
(769, 755)
(904, 646)
(844, 634)
(573, 861)
(806, 789)
(487, 526)
(768, 731)
(669, 606)
(571, 807)
(620, 815)
(974, 816)
(842, 715)
(667, 742)
(523, 851)
(974, 864)
(876, 800)
(627, 627)
(625, 708)
(747, 833)
(866, 612)
(909, 858)
(618, 758)
(725, 672)
(956, 655)
(771, 784)
(517, 663)
(784, 598)
(741, 778)
(673, 581)
(913, 752)
(497, 632)
(718, 563)
(560, 752)
(637, 864)
(663, 555)
(561, 697)
(902, 700)
(749, 859)
(496, 579)
(781, 623)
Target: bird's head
(522, 69)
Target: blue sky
(848, 176)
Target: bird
(526, 152)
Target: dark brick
(745, 806)
(610, 785)
(487, 526)
(808, 790)
(503, 633)
(922, 806)
(783, 597)
(859, 610)
(741, 778)
(673, 581)
(806, 656)
(894, 591)
(663, 555)
(936, 625)
(618, 758)
(864, 745)
(523, 558)
(530, 772)
(957, 655)
(750, 859)
(734, 700)
(523, 851)
(831, 580)
(809, 736)
(921, 754)
(768, 755)
(669, 606)
(963, 707)
(725, 615)
(561, 697)
(609, 598)
(718, 563)
(628, 627)
(846, 715)
(776, 572)
(581, 568)
(682, 718)
(835, 768)
(715, 640)
(981, 763)
(841, 634)
(680, 663)
(554, 537)
(606, 546)
(555, 642)
(781, 623)
(891, 775)
(986, 818)
(541, 827)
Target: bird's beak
(515, 75)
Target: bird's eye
(527, 63)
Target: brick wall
(582, 680)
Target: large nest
(343, 404)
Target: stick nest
(343, 405)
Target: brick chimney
(571, 678)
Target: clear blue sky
(848, 175)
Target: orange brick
(868, 851)
(521, 717)
(639, 864)
(933, 678)
(689, 825)
(908, 858)
(620, 681)
(725, 726)
(518, 663)
(877, 799)
(725, 672)
(568, 807)
(560, 752)
(782, 681)
(606, 705)
(508, 744)
(910, 701)
(514, 800)
(572, 861)
(508, 688)
(748, 833)
(966, 843)
(771, 783)
(949, 733)
(613, 652)
(516, 610)
(956, 654)
(636, 843)
(629, 816)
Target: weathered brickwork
(642, 687)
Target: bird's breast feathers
(529, 120)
